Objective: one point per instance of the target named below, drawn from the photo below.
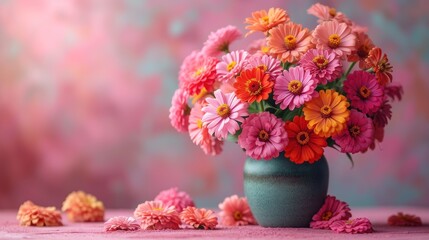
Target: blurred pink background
(85, 89)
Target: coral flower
(325, 13)
(327, 114)
(121, 223)
(304, 145)
(253, 85)
(358, 135)
(176, 198)
(197, 72)
(332, 210)
(360, 53)
(262, 21)
(30, 214)
(380, 65)
(211, 146)
(220, 40)
(235, 211)
(83, 207)
(288, 42)
(199, 218)
(357, 225)
(294, 88)
(223, 113)
(179, 110)
(364, 92)
(268, 64)
(263, 136)
(402, 219)
(324, 65)
(154, 215)
(335, 36)
(231, 65)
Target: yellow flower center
(263, 68)
(354, 131)
(254, 87)
(320, 61)
(364, 92)
(265, 19)
(263, 135)
(302, 138)
(238, 215)
(265, 49)
(295, 87)
(290, 42)
(223, 110)
(332, 12)
(199, 123)
(230, 66)
(326, 111)
(334, 40)
(198, 72)
(327, 215)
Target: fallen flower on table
(357, 225)
(176, 198)
(121, 223)
(199, 218)
(30, 214)
(154, 215)
(402, 219)
(82, 207)
(235, 211)
(331, 211)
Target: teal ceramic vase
(284, 194)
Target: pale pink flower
(220, 40)
(121, 223)
(231, 65)
(294, 87)
(331, 211)
(179, 110)
(258, 47)
(263, 136)
(324, 65)
(30, 214)
(357, 225)
(335, 36)
(325, 13)
(235, 211)
(358, 135)
(223, 113)
(176, 198)
(199, 218)
(154, 215)
(266, 63)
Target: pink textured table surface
(9, 229)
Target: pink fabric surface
(9, 229)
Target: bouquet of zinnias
(293, 92)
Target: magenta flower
(231, 65)
(331, 211)
(263, 136)
(358, 135)
(294, 88)
(121, 223)
(179, 110)
(176, 198)
(335, 36)
(154, 215)
(235, 211)
(220, 40)
(266, 63)
(324, 65)
(357, 225)
(199, 218)
(223, 113)
(382, 116)
(364, 91)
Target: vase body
(282, 193)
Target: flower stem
(350, 68)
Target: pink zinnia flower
(198, 71)
(154, 215)
(325, 13)
(179, 110)
(199, 218)
(223, 113)
(258, 47)
(266, 63)
(263, 136)
(364, 91)
(382, 116)
(211, 145)
(220, 40)
(335, 36)
(357, 225)
(331, 211)
(231, 65)
(176, 198)
(358, 135)
(324, 65)
(294, 88)
(402, 219)
(121, 223)
(235, 211)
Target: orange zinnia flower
(263, 21)
(381, 66)
(327, 114)
(253, 85)
(304, 144)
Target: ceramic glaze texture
(284, 194)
